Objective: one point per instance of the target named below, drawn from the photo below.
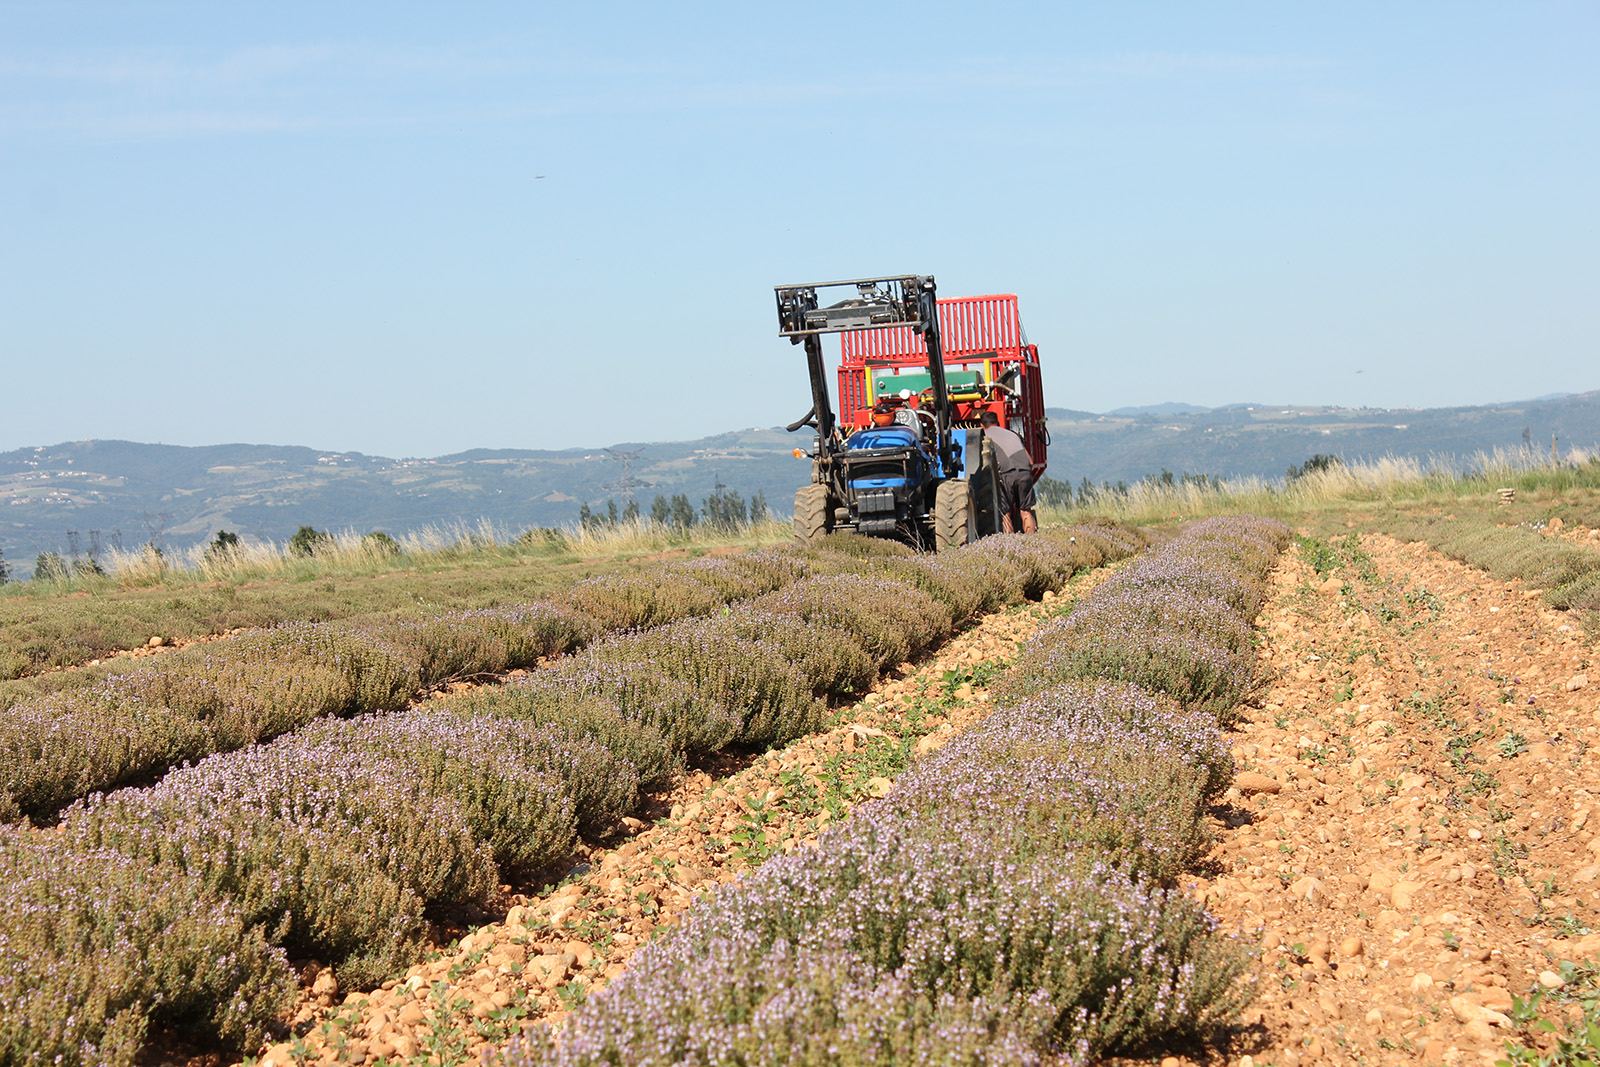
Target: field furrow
(1412, 834)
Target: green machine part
(963, 384)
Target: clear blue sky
(324, 224)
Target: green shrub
(380, 545)
(50, 567)
(308, 541)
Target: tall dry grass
(348, 553)
(1386, 479)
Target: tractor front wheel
(952, 512)
(813, 517)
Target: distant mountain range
(117, 491)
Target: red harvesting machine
(988, 366)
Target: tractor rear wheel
(952, 510)
(812, 515)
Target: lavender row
(334, 841)
(1011, 900)
(1176, 621)
(227, 694)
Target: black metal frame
(879, 303)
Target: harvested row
(1014, 896)
(334, 840)
(1569, 573)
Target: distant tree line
(725, 509)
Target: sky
(412, 229)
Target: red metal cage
(984, 345)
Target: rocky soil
(1412, 838)
(1411, 841)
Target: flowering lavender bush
(1044, 566)
(912, 941)
(532, 632)
(526, 789)
(967, 584)
(1175, 621)
(830, 661)
(1107, 766)
(893, 620)
(644, 692)
(63, 745)
(1011, 898)
(853, 545)
(640, 745)
(744, 675)
(627, 602)
(97, 947)
(446, 647)
(333, 851)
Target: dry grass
(1386, 481)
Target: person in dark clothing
(1015, 470)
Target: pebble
(1250, 782)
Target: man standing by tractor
(1015, 471)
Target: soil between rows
(1412, 835)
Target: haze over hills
(119, 491)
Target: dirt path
(1415, 840)
(552, 950)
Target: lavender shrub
(745, 675)
(61, 746)
(96, 948)
(831, 662)
(1013, 894)
(893, 620)
(334, 852)
(1098, 765)
(927, 940)
(644, 692)
(593, 719)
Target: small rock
(547, 971)
(1305, 887)
(156, 642)
(1351, 947)
(1403, 893)
(1577, 682)
(879, 786)
(1249, 782)
(326, 987)
(1551, 980)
